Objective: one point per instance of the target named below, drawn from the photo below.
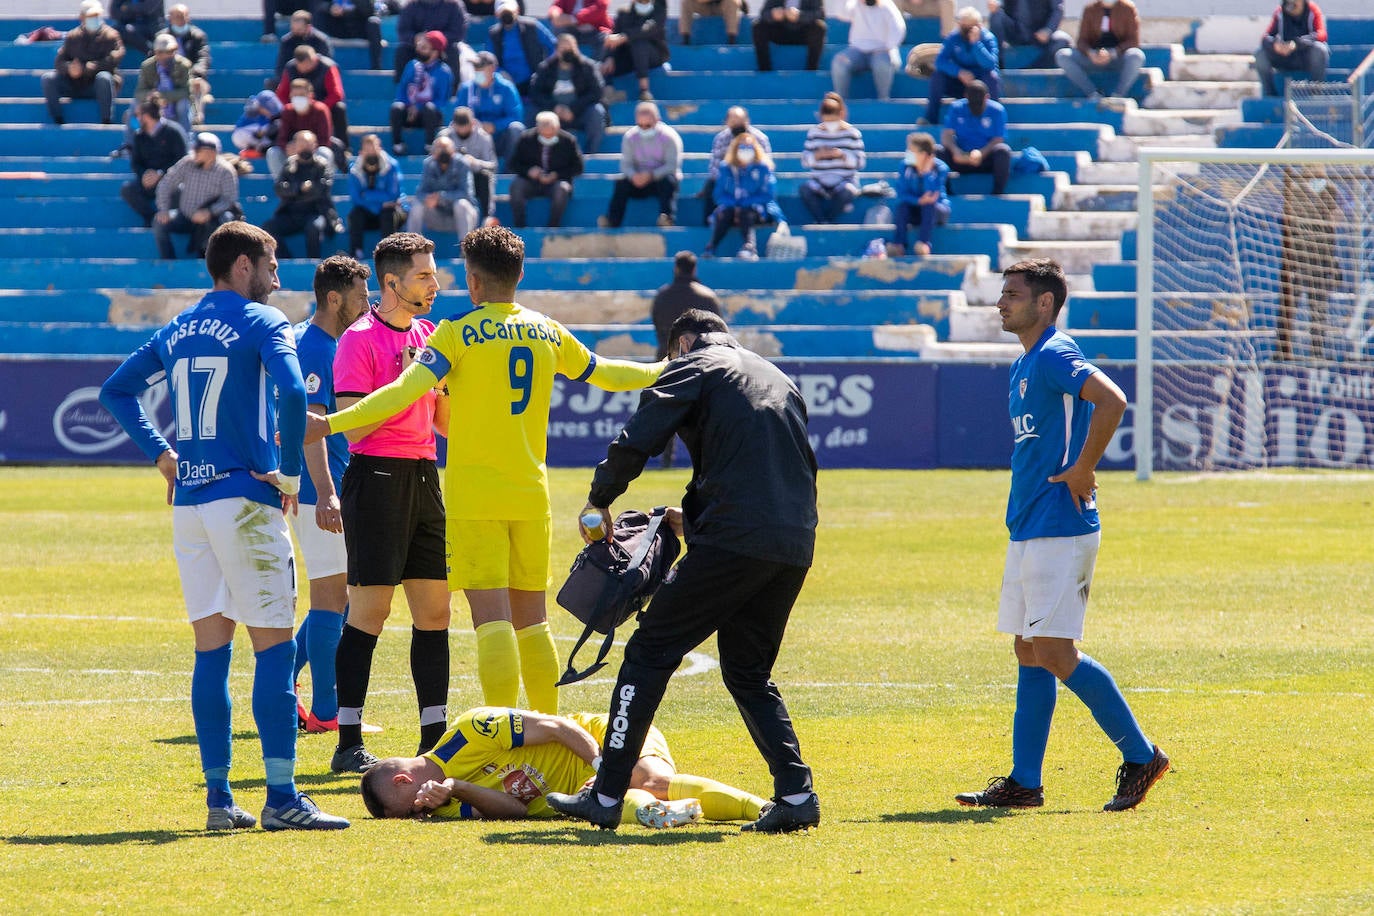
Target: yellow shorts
(495, 554)
(655, 745)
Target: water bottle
(592, 521)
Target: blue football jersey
(1050, 424)
(233, 377)
(315, 349)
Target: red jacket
(317, 120)
(325, 77)
(593, 12)
(1311, 24)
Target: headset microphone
(410, 302)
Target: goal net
(1255, 310)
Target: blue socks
(322, 629)
(211, 709)
(1092, 684)
(1036, 690)
(274, 710)
(302, 647)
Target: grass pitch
(1235, 611)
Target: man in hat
(421, 16)
(87, 65)
(423, 90)
(170, 74)
(209, 197)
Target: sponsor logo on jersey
(1024, 427)
(485, 725)
(312, 384)
(1078, 365)
(621, 723)
(522, 783)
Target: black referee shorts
(393, 520)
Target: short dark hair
(976, 87)
(923, 142)
(496, 253)
(685, 264)
(151, 105)
(336, 274)
(372, 799)
(696, 321)
(394, 254)
(1042, 275)
(304, 53)
(231, 240)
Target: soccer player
(498, 764)
(500, 360)
(393, 511)
(229, 484)
(340, 299)
(1064, 411)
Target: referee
(749, 514)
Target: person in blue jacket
(422, 94)
(495, 104)
(745, 194)
(374, 187)
(969, 53)
(921, 198)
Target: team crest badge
(312, 384)
(1022, 388)
(1078, 366)
(427, 357)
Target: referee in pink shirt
(393, 510)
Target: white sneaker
(660, 815)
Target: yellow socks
(539, 667)
(719, 802)
(498, 663)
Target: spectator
(256, 129)
(520, 43)
(1032, 23)
(745, 195)
(301, 33)
(1294, 42)
(374, 187)
(479, 152)
(736, 123)
(304, 188)
(1108, 41)
(921, 198)
(353, 19)
(495, 103)
(271, 9)
(423, 91)
(876, 33)
(327, 84)
(157, 146)
(137, 21)
(420, 16)
(570, 86)
(729, 10)
(169, 74)
(650, 166)
(544, 163)
(444, 200)
(194, 45)
(87, 65)
(969, 53)
(638, 43)
(205, 191)
(303, 113)
(790, 22)
(834, 152)
(589, 21)
(974, 138)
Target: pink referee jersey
(370, 355)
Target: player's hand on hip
(316, 427)
(1082, 483)
(167, 467)
(328, 515)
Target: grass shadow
(191, 739)
(573, 836)
(118, 838)
(944, 816)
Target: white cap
(92, 8)
(164, 42)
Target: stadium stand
(68, 242)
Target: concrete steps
(1080, 226)
(1171, 122)
(1076, 257)
(1201, 94)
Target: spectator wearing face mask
(194, 45)
(544, 164)
(475, 145)
(921, 199)
(87, 65)
(169, 74)
(638, 43)
(423, 91)
(520, 43)
(301, 113)
(303, 188)
(650, 166)
(745, 195)
(969, 53)
(876, 33)
(974, 138)
(374, 187)
(834, 152)
(256, 130)
(495, 103)
(1108, 42)
(570, 86)
(736, 123)
(325, 81)
(1295, 42)
(444, 200)
(421, 16)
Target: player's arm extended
(385, 402)
(622, 374)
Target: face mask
(300, 103)
(910, 158)
(1317, 185)
(92, 24)
(372, 162)
(737, 130)
(1109, 3)
(644, 9)
(548, 141)
(180, 29)
(444, 158)
(830, 125)
(568, 57)
(507, 18)
(484, 80)
(745, 154)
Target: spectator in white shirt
(876, 33)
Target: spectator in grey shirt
(208, 190)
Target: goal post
(1254, 309)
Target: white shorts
(323, 551)
(235, 559)
(1045, 586)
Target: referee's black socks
(353, 668)
(429, 666)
